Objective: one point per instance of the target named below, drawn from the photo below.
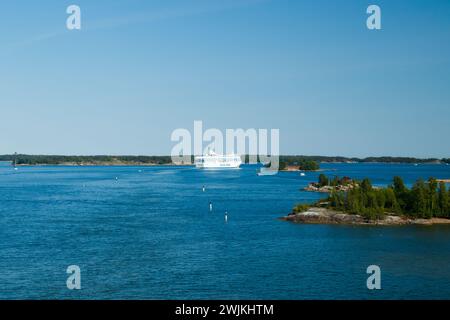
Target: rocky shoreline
(316, 215)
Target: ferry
(215, 161)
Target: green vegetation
(56, 160)
(308, 165)
(302, 164)
(426, 199)
(300, 208)
(323, 180)
(293, 159)
(423, 200)
(335, 182)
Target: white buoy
(210, 206)
(226, 216)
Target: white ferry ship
(216, 161)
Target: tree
(366, 185)
(401, 193)
(391, 200)
(335, 181)
(337, 200)
(399, 185)
(354, 201)
(308, 165)
(443, 200)
(433, 204)
(419, 204)
(323, 180)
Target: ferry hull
(222, 167)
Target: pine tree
(419, 204)
(401, 193)
(443, 200)
(433, 204)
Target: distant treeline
(292, 159)
(304, 162)
(426, 199)
(22, 159)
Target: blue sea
(147, 233)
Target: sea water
(148, 233)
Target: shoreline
(104, 164)
(317, 215)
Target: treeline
(291, 159)
(426, 199)
(288, 160)
(21, 159)
(323, 181)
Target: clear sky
(140, 69)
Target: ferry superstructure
(217, 161)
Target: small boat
(302, 174)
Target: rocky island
(318, 215)
(359, 203)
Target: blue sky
(140, 69)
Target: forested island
(360, 203)
(288, 159)
(31, 160)
(300, 164)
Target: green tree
(443, 200)
(433, 204)
(419, 201)
(401, 193)
(366, 185)
(399, 185)
(337, 200)
(391, 200)
(308, 165)
(323, 180)
(354, 201)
